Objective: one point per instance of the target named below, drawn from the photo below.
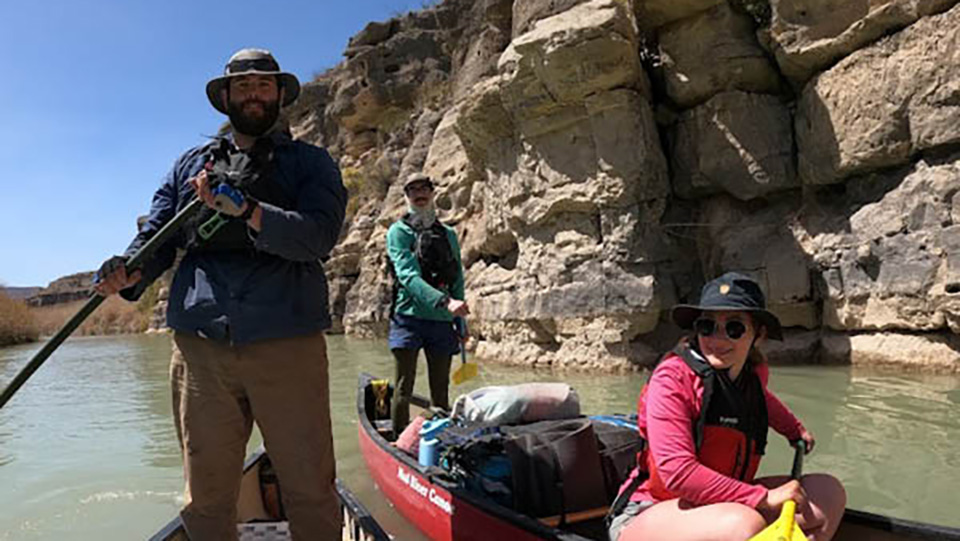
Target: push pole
(144, 253)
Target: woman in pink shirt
(704, 414)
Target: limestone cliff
(599, 159)
(73, 287)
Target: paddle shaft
(461, 325)
(789, 512)
(800, 447)
(572, 518)
(784, 527)
(144, 253)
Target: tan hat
(252, 62)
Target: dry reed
(114, 316)
(17, 324)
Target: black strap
(558, 475)
(622, 499)
(705, 372)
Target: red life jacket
(731, 432)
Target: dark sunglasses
(733, 329)
(253, 64)
(419, 187)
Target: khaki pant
(218, 392)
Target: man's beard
(250, 125)
(422, 217)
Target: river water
(88, 450)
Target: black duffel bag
(556, 467)
(619, 446)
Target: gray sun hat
(417, 178)
(252, 62)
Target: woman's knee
(741, 522)
(826, 490)
(715, 522)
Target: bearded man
(248, 304)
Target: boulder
(527, 12)
(884, 104)
(656, 13)
(713, 52)
(373, 34)
(566, 58)
(927, 353)
(485, 36)
(808, 36)
(737, 143)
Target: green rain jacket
(415, 297)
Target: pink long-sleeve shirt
(667, 411)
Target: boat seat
(384, 428)
(264, 531)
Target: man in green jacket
(428, 295)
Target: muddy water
(88, 451)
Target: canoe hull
(438, 513)
(421, 498)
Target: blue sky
(99, 97)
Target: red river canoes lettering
(427, 492)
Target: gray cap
(252, 62)
(416, 178)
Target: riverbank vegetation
(114, 316)
(17, 324)
(20, 323)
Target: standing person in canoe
(248, 304)
(704, 414)
(428, 294)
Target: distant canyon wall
(601, 159)
(73, 287)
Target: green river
(88, 450)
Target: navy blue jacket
(277, 291)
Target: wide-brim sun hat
(730, 292)
(252, 62)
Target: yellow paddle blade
(784, 528)
(465, 372)
(380, 388)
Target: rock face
(809, 35)
(575, 179)
(737, 143)
(70, 288)
(600, 159)
(656, 13)
(723, 56)
(19, 293)
(907, 101)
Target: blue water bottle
(428, 441)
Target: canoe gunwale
(919, 530)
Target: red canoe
(445, 512)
